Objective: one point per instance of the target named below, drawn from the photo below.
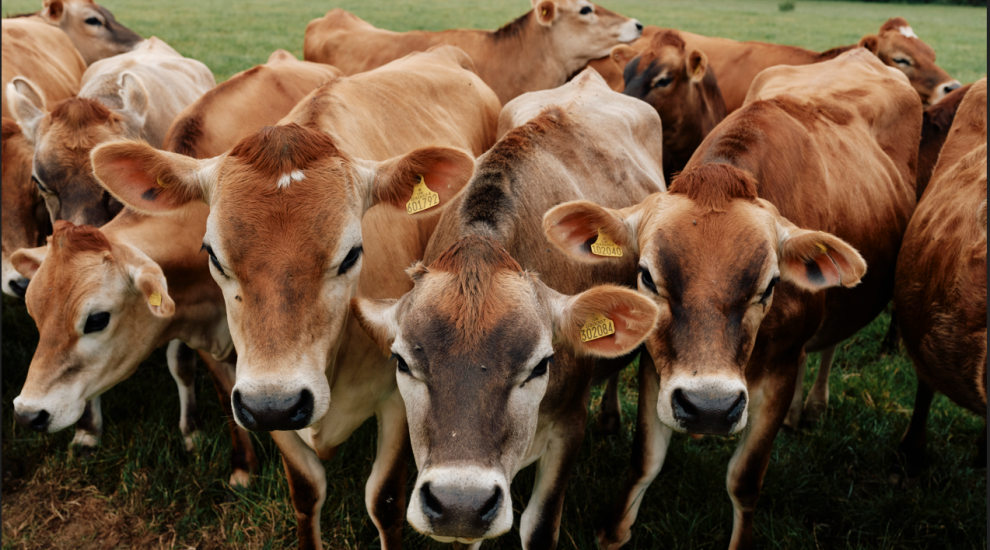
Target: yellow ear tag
(422, 198)
(161, 184)
(605, 247)
(543, 13)
(155, 299)
(822, 248)
(599, 326)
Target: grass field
(826, 486)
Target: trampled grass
(825, 488)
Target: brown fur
(934, 129)
(277, 150)
(44, 55)
(713, 186)
(79, 112)
(68, 239)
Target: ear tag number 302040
(422, 198)
(598, 326)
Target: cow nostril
(303, 409)
(639, 26)
(246, 418)
(683, 407)
(951, 86)
(735, 413)
(40, 422)
(491, 506)
(431, 506)
(19, 286)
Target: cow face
(92, 29)
(24, 216)
(99, 307)
(474, 344)
(583, 30)
(285, 247)
(711, 255)
(63, 139)
(678, 84)
(899, 47)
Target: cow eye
(541, 368)
(38, 183)
(94, 21)
(769, 291)
(213, 258)
(96, 322)
(586, 10)
(902, 61)
(350, 260)
(663, 82)
(647, 279)
(400, 364)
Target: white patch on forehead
(907, 31)
(285, 179)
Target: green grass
(825, 488)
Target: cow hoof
(609, 424)
(84, 452)
(813, 412)
(610, 543)
(792, 421)
(240, 479)
(192, 440)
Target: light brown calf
(941, 290)
(93, 30)
(539, 50)
(25, 219)
(820, 160)
(294, 233)
(249, 100)
(134, 95)
(492, 366)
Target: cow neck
(512, 65)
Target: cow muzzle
(269, 411)
(47, 415)
(461, 504)
(943, 90)
(712, 406)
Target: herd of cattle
(444, 231)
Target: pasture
(826, 486)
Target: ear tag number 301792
(422, 198)
(598, 326)
(605, 247)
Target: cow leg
(307, 485)
(242, 457)
(649, 451)
(385, 491)
(911, 451)
(793, 418)
(89, 428)
(610, 416)
(817, 401)
(890, 340)
(744, 479)
(182, 364)
(539, 525)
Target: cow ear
(605, 321)
(870, 42)
(697, 64)
(573, 227)
(150, 282)
(546, 12)
(379, 320)
(153, 181)
(135, 97)
(27, 261)
(27, 104)
(53, 11)
(622, 55)
(444, 171)
(814, 260)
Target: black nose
(459, 511)
(19, 286)
(639, 26)
(951, 86)
(37, 421)
(269, 412)
(706, 413)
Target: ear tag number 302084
(422, 198)
(598, 326)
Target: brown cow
(680, 86)
(25, 219)
(537, 51)
(293, 235)
(134, 95)
(941, 290)
(749, 213)
(93, 30)
(249, 100)
(934, 129)
(42, 54)
(492, 364)
(104, 300)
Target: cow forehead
(65, 283)
(911, 45)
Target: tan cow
(294, 233)
(539, 50)
(104, 300)
(93, 30)
(42, 54)
(134, 95)
(767, 201)
(492, 359)
(678, 83)
(25, 219)
(249, 100)
(941, 290)
(934, 131)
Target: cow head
(25, 220)
(710, 255)
(63, 139)
(582, 31)
(474, 343)
(92, 29)
(284, 243)
(95, 303)
(899, 47)
(680, 86)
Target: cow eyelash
(350, 260)
(213, 258)
(400, 364)
(41, 188)
(540, 369)
(647, 279)
(769, 291)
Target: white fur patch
(285, 179)
(907, 31)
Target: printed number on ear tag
(605, 247)
(422, 198)
(155, 299)
(599, 326)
